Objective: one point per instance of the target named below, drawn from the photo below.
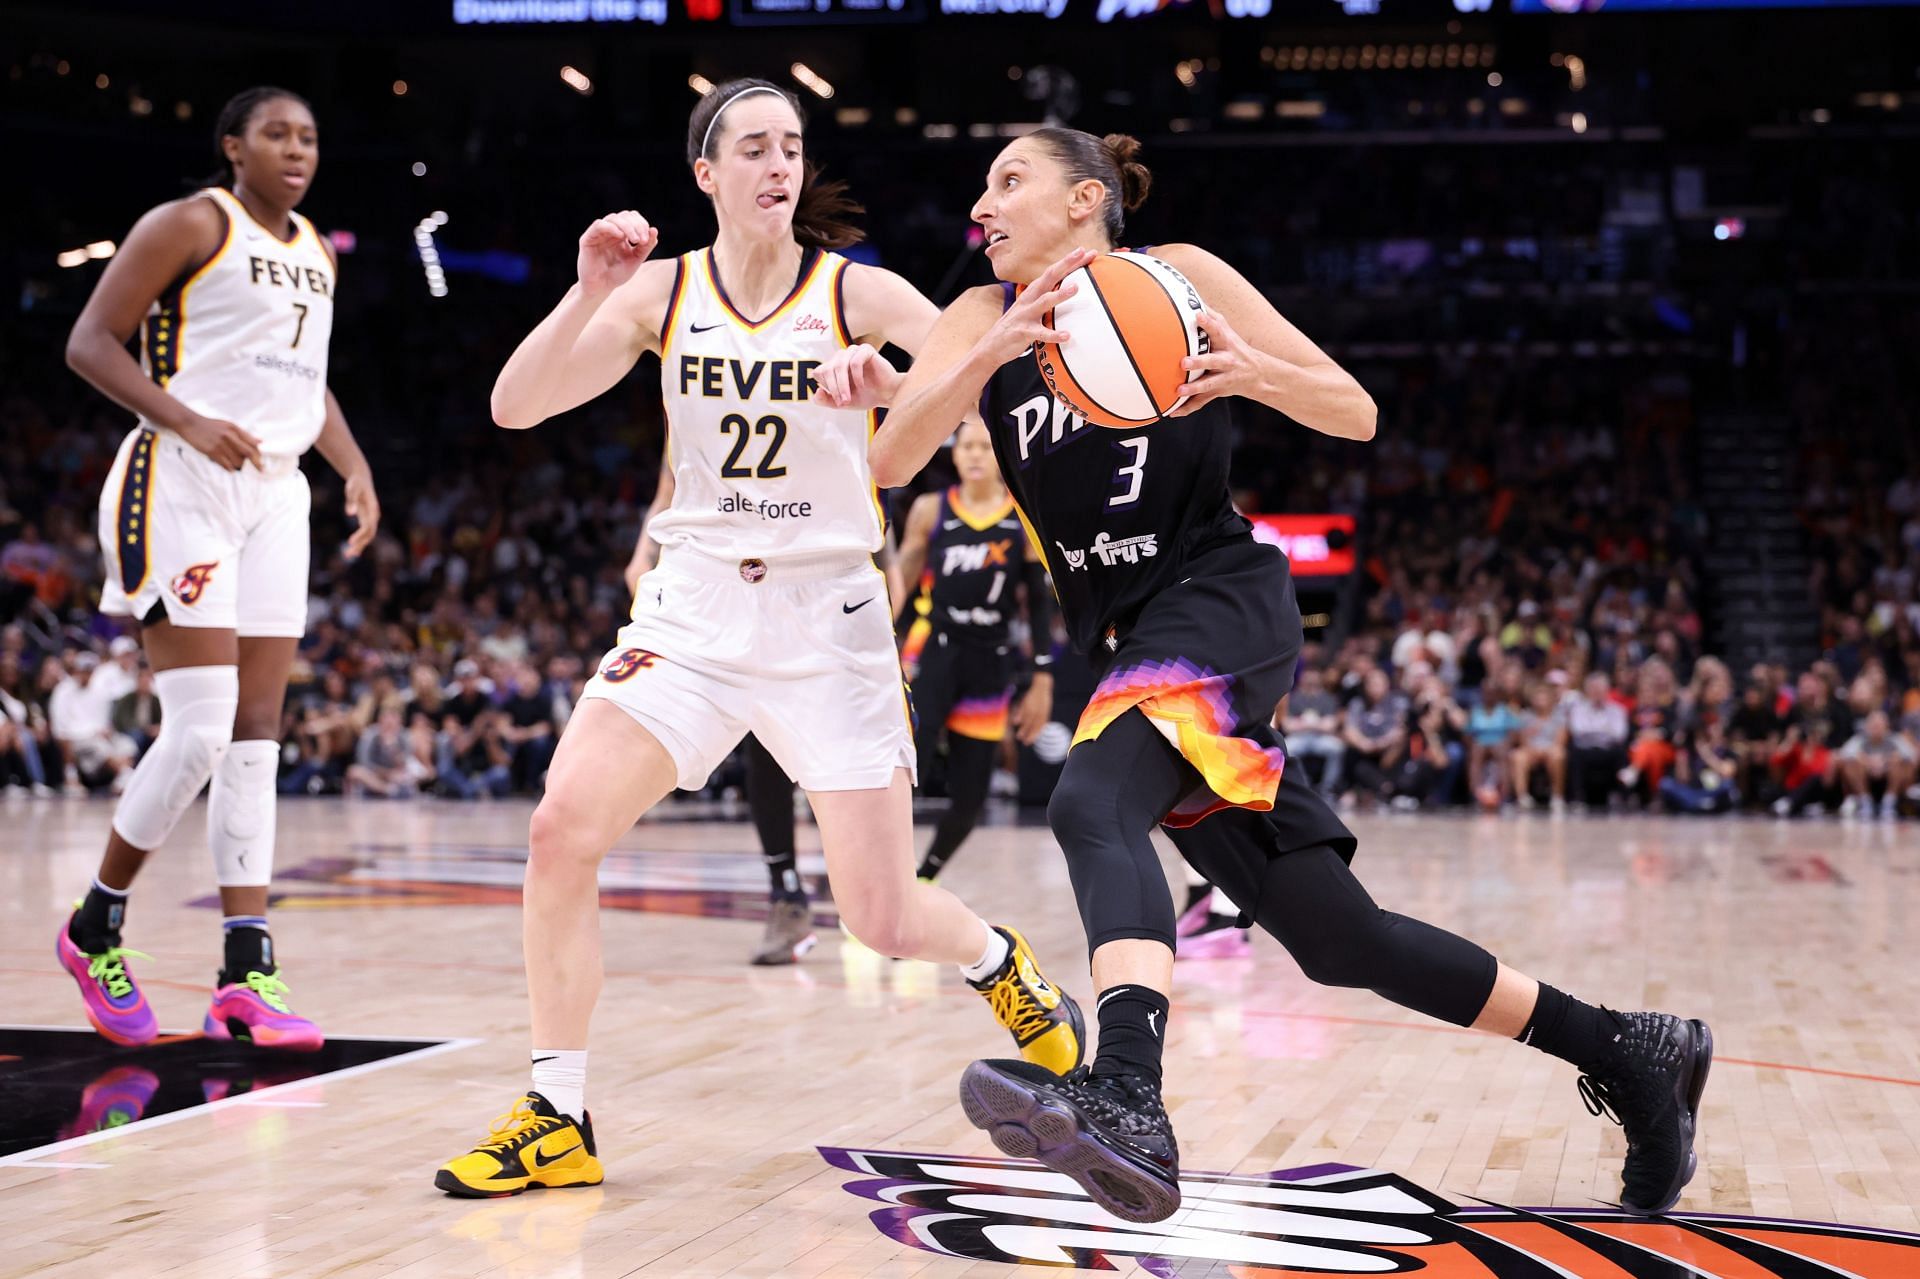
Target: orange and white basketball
(1132, 322)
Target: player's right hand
(613, 248)
(222, 441)
(1021, 326)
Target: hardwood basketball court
(802, 1121)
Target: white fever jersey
(760, 470)
(244, 338)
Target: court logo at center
(1332, 1219)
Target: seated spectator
(1655, 717)
(1436, 752)
(137, 712)
(321, 738)
(529, 731)
(1704, 773)
(25, 727)
(1311, 720)
(384, 762)
(1596, 741)
(1491, 727)
(471, 755)
(1753, 737)
(1804, 767)
(1541, 743)
(82, 720)
(1875, 759)
(1376, 736)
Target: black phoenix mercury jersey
(1116, 514)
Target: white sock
(560, 1075)
(990, 959)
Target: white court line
(54, 1163)
(428, 1049)
(247, 1099)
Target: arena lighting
(100, 249)
(1184, 73)
(100, 81)
(399, 88)
(419, 168)
(808, 76)
(1576, 72)
(1493, 80)
(905, 117)
(430, 257)
(72, 257)
(183, 110)
(939, 131)
(1579, 122)
(852, 117)
(577, 80)
(700, 84)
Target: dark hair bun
(1135, 178)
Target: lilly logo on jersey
(192, 584)
(1112, 550)
(974, 556)
(1333, 1219)
(809, 324)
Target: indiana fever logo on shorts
(626, 662)
(1332, 1219)
(192, 584)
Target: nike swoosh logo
(855, 608)
(541, 1161)
(950, 525)
(704, 328)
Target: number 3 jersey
(1116, 513)
(244, 337)
(760, 469)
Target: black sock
(249, 949)
(770, 803)
(1564, 1027)
(96, 925)
(1133, 1027)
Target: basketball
(1132, 322)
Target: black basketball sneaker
(1110, 1133)
(1651, 1087)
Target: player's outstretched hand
(857, 378)
(1022, 325)
(613, 248)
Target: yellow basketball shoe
(1043, 1019)
(532, 1147)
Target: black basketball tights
(969, 778)
(1113, 791)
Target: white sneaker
(1558, 805)
(1528, 803)
(1849, 808)
(1887, 809)
(1629, 776)
(1783, 807)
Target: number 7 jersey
(760, 470)
(244, 336)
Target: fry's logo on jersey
(974, 556)
(1335, 1220)
(192, 584)
(1127, 550)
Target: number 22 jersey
(761, 470)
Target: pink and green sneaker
(255, 1012)
(114, 1003)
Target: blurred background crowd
(1640, 527)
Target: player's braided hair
(822, 210)
(233, 121)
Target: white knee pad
(240, 814)
(196, 724)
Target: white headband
(758, 88)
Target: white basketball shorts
(800, 654)
(214, 548)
